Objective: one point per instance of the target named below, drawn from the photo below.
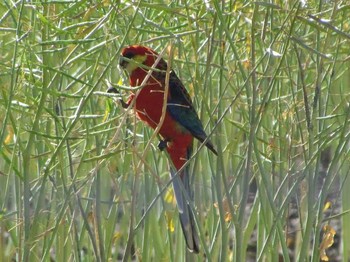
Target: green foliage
(82, 181)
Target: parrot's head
(137, 57)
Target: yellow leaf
(9, 136)
(237, 6)
(327, 206)
(228, 217)
(324, 257)
(226, 207)
(169, 196)
(117, 236)
(170, 221)
(327, 241)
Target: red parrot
(181, 123)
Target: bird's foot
(163, 144)
(113, 90)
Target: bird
(178, 129)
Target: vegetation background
(270, 80)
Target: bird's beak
(112, 90)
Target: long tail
(181, 183)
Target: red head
(134, 56)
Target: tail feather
(185, 212)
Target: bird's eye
(129, 55)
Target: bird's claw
(113, 90)
(124, 105)
(162, 144)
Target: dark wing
(181, 109)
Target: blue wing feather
(181, 109)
